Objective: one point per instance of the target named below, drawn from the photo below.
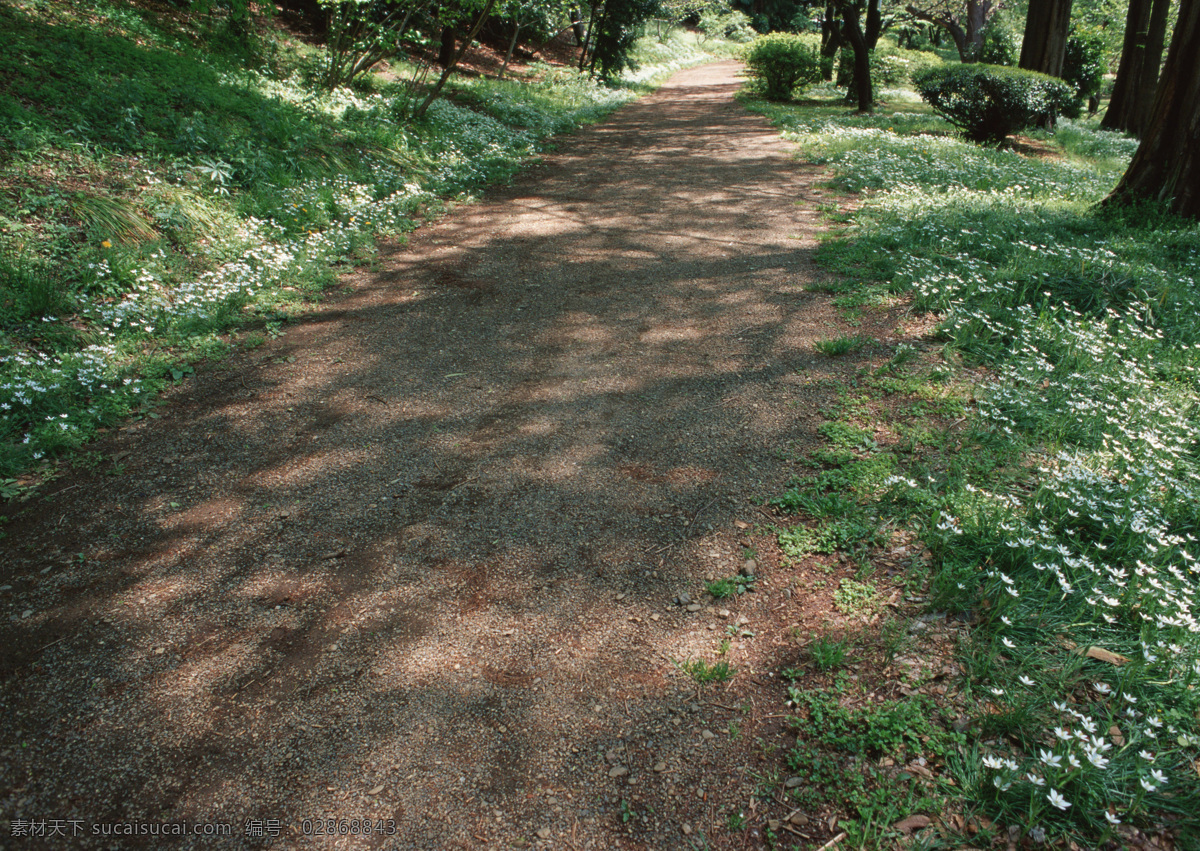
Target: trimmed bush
(780, 62)
(990, 101)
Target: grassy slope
(159, 195)
(1062, 512)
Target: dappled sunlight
(441, 522)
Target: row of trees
(1163, 109)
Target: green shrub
(990, 101)
(999, 47)
(729, 25)
(1084, 62)
(890, 65)
(780, 62)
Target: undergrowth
(161, 193)
(1061, 510)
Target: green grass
(166, 188)
(702, 673)
(828, 654)
(838, 346)
(1061, 511)
(730, 587)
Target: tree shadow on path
(413, 563)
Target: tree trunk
(577, 26)
(587, 38)
(874, 24)
(512, 45)
(831, 31)
(487, 10)
(1151, 62)
(1045, 43)
(862, 56)
(1166, 166)
(944, 25)
(978, 12)
(1137, 73)
(446, 52)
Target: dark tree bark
(577, 26)
(466, 43)
(446, 51)
(852, 29)
(874, 24)
(1166, 166)
(1155, 41)
(964, 22)
(1137, 73)
(512, 44)
(1046, 28)
(831, 31)
(587, 38)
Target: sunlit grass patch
(1063, 517)
(159, 195)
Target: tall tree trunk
(1137, 73)
(587, 39)
(1166, 166)
(874, 24)
(577, 26)
(1152, 61)
(944, 25)
(977, 18)
(446, 51)
(831, 31)
(1045, 43)
(466, 43)
(851, 15)
(512, 45)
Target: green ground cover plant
(1061, 516)
(159, 195)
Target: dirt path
(416, 559)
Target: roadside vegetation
(1042, 447)
(166, 199)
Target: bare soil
(415, 562)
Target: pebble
(683, 599)
(687, 830)
(799, 819)
(793, 782)
(724, 613)
(660, 767)
(707, 734)
(617, 771)
(692, 607)
(655, 616)
(748, 567)
(544, 833)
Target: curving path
(414, 562)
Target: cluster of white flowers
(877, 158)
(1103, 525)
(306, 227)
